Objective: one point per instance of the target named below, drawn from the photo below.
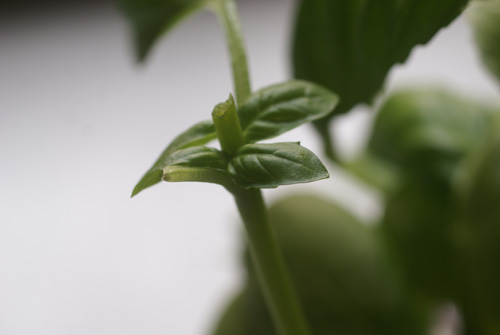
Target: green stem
(273, 277)
(227, 126)
(228, 16)
(268, 261)
(274, 280)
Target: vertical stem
(228, 16)
(275, 283)
(266, 256)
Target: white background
(79, 125)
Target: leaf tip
(151, 178)
(135, 191)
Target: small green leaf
(272, 165)
(198, 134)
(199, 158)
(485, 17)
(198, 163)
(152, 18)
(278, 108)
(349, 46)
(150, 178)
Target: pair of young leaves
(267, 113)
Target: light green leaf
(199, 134)
(272, 165)
(485, 17)
(349, 46)
(278, 108)
(152, 18)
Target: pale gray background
(80, 123)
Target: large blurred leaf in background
(340, 271)
(418, 228)
(479, 220)
(485, 17)
(426, 132)
(349, 46)
(425, 135)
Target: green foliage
(349, 46)
(479, 229)
(198, 156)
(485, 15)
(152, 18)
(425, 135)
(198, 134)
(272, 165)
(279, 108)
(427, 132)
(429, 152)
(341, 273)
(268, 113)
(418, 227)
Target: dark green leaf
(479, 217)
(349, 46)
(282, 107)
(428, 131)
(426, 135)
(418, 227)
(152, 18)
(199, 134)
(272, 165)
(485, 17)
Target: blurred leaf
(485, 17)
(479, 229)
(427, 132)
(418, 227)
(272, 165)
(376, 172)
(340, 271)
(279, 108)
(349, 46)
(152, 18)
(246, 314)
